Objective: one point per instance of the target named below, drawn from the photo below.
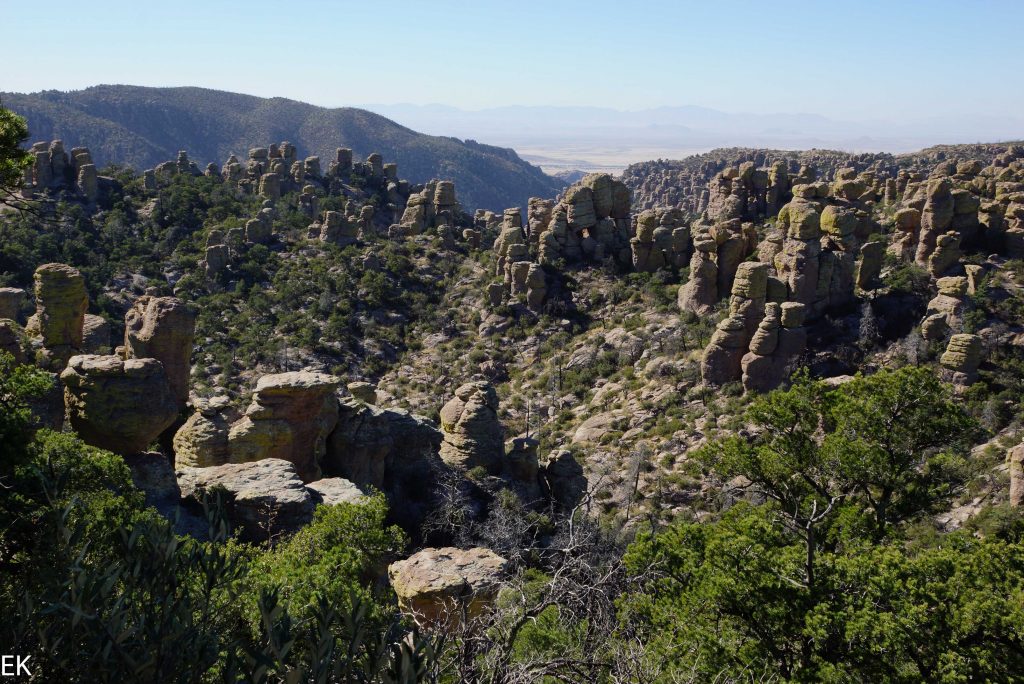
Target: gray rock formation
(163, 328)
(116, 404)
(290, 417)
(473, 436)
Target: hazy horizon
(872, 60)
(593, 85)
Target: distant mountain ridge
(143, 126)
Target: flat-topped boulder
(437, 586)
(263, 499)
(335, 490)
(116, 404)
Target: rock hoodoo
(162, 328)
(290, 417)
(473, 435)
(61, 302)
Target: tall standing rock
(473, 436)
(162, 328)
(1015, 461)
(61, 301)
(290, 417)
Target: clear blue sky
(849, 59)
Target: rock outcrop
(779, 339)
(662, 240)
(163, 328)
(590, 222)
(436, 587)
(390, 450)
(116, 404)
(61, 302)
(722, 358)
(264, 499)
(290, 417)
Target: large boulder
(263, 499)
(116, 404)
(473, 436)
(335, 490)
(436, 587)
(162, 328)
(290, 417)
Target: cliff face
(142, 127)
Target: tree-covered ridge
(142, 127)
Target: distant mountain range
(142, 127)
(592, 138)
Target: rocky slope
(578, 345)
(680, 183)
(143, 126)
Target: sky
(857, 59)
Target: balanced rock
(436, 587)
(290, 417)
(116, 404)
